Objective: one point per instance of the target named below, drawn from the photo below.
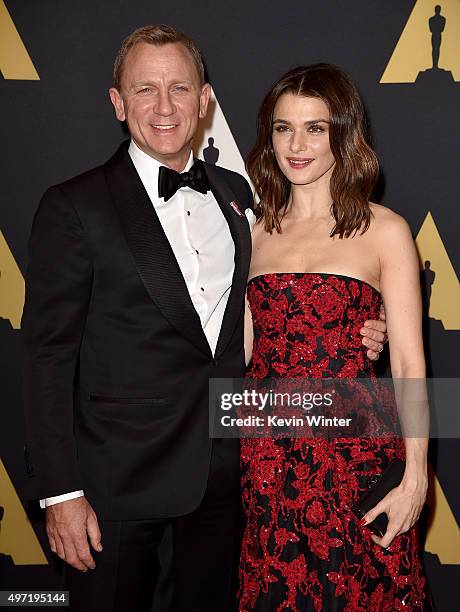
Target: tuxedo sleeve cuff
(50, 501)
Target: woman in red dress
(324, 261)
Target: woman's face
(300, 139)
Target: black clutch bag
(379, 486)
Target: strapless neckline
(322, 274)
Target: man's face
(161, 100)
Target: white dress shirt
(200, 238)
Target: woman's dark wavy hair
(356, 167)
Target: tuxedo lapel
(239, 229)
(153, 256)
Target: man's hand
(375, 335)
(69, 525)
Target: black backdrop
(62, 124)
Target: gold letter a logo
(15, 62)
(428, 44)
(17, 536)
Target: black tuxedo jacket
(116, 363)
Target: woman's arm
(400, 286)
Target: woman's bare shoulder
(388, 226)
(258, 231)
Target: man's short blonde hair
(156, 35)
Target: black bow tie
(169, 181)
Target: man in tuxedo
(135, 298)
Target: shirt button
(197, 252)
(202, 288)
(188, 213)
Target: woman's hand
(402, 505)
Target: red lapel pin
(236, 208)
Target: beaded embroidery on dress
(303, 548)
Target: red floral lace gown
(303, 548)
